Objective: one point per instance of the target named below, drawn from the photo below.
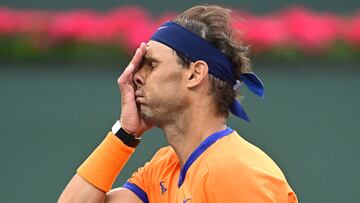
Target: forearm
(96, 175)
(79, 190)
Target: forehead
(157, 49)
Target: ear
(196, 73)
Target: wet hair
(213, 23)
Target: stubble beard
(161, 114)
(147, 115)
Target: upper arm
(122, 195)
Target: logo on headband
(162, 27)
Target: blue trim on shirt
(200, 149)
(137, 190)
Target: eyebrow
(151, 59)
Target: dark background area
(53, 114)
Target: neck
(190, 129)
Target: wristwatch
(128, 139)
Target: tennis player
(185, 81)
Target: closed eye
(153, 65)
(150, 62)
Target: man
(184, 81)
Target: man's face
(160, 85)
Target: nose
(139, 79)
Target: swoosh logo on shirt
(163, 187)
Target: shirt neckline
(199, 150)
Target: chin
(151, 117)
(146, 114)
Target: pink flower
(310, 31)
(351, 31)
(23, 22)
(6, 24)
(129, 26)
(240, 23)
(78, 25)
(265, 33)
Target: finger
(143, 47)
(138, 56)
(135, 59)
(129, 71)
(126, 76)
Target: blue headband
(196, 48)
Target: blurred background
(59, 62)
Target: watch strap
(128, 139)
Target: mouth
(139, 100)
(139, 97)
(139, 93)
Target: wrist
(135, 134)
(124, 135)
(105, 163)
(130, 129)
